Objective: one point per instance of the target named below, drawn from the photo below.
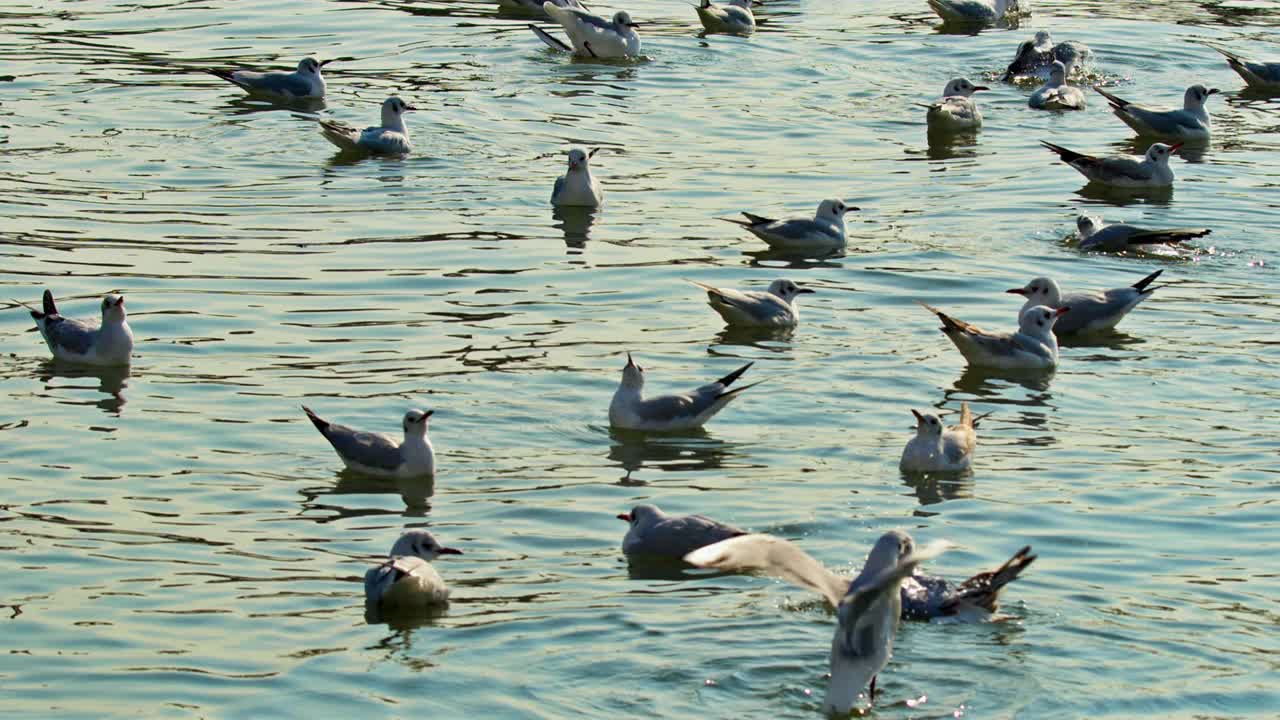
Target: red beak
(1175, 148)
(625, 516)
(1063, 309)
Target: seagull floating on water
(108, 342)
(1057, 94)
(978, 11)
(631, 411)
(1035, 58)
(956, 110)
(930, 597)
(392, 137)
(1263, 76)
(305, 82)
(733, 17)
(1118, 237)
(1130, 171)
(407, 581)
(1189, 123)
(578, 187)
(868, 610)
(591, 35)
(775, 307)
(654, 533)
(824, 232)
(1033, 346)
(379, 455)
(936, 448)
(1090, 312)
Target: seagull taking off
(775, 307)
(654, 533)
(407, 581)
(956, 110)
(1035, 58)
(940, 449)
(379, 455)
(578, 187)
(390, 138)
(629, 410)
(1118, 237)
(825, 232)
(1033, 346)
(1189, 123)
(1128, 171)
(109, 342)
(1090, 312)
(591, 35)
(305, 82)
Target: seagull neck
(394, 121)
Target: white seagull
(978, 11)
(732, 17)
(654, 533)
(578, 187)
(1057, 94)
(629, 410)
(1264, 76)
(940, 449)
(1090, 312)
(407, 580)
(1129, 171)
(1189, 123)
(591, 35)
(108, 342)
(868, 610)
(1033, 346)
(392, 137)
(305, 82)
(1118, 237)
(1035, 58)
(956, 109)
(379, 455)
(775, 307)
(824, 232)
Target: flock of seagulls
(890, 587)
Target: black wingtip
(223, 74)
(49, 307)
(1141, 285)
(727, 380)
(321, 424)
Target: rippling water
(177, 541)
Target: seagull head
(891, 547)
(962, 87)
(1040, 291)
(1087, 225)
(392, 108)
(1159, 153)
(927, 424)
(1038, 321)
(420, 543)
(1058, 74)
(786, 289)
(1044, 41)
(579, 158)
(833, 210)
(632, 374)
(623, 20)
(415, 422)
(112, 309)
(310, 66)
(1196, 95)
(642, 515)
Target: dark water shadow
(683, 451)
(112, 382)
(251, 103)
(575, 223)
(794, 260)
(653, 567)
(404, 619)
(944, 145)
(932, 488)
(1122, 196)
(757, 337)
(989, 383)
(415, 492)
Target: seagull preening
(1118, 237)
(1129, 171)
(578, 187)
(591, 35)
(305, 82)
(379, 455)
(930, 597)
(407, 581)
(868, 610)
(956, 110)
(824, 232)
(978, 11)
(656, 534)
(1189, 123)
(775, 307)
(1263, 76)
(1057, 94)
(629, 410)
(1090, 312)
(392, 137)
(1035, 58)
(936, 448)
(734, 17)
(1033, 346)
(108, 342)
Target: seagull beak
(851, 208)
(448, 551)
(919, 417)
(325, 62)
(1175, 148)
(410, 107)
(624, 516)
(1214, 91)
(428, 414)
(630, 362)
(800, 290)
(633, 24)
(593, 152)
(1062, 310)
(1017, 291)
(976, 88)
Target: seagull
(774, 308)
(1095, 235)
(1129, 171)
(654, 533)
(1057, 94)
(1036, 57)
(733, 17)
(1264, 76)
(956, 109)
(629, 411)
(823, 233)
(1189, 123)
(1032, 346)
(578, 187)
(978, 11)
(407, 579)
(591, 35)
(939, 449)
(305, 82)
(1090, 312)
(109, 342)
(390, 138)
(930, 597)
(379, 455)
(868, 610)
(534, 7)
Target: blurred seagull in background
(1262, 76)
(734, 17)
(1057, 94)
(1189, 123)
(1118, 237)
(654, 533)
(956, 110)
(407, 581)
(1128, 171)
(824, 232)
